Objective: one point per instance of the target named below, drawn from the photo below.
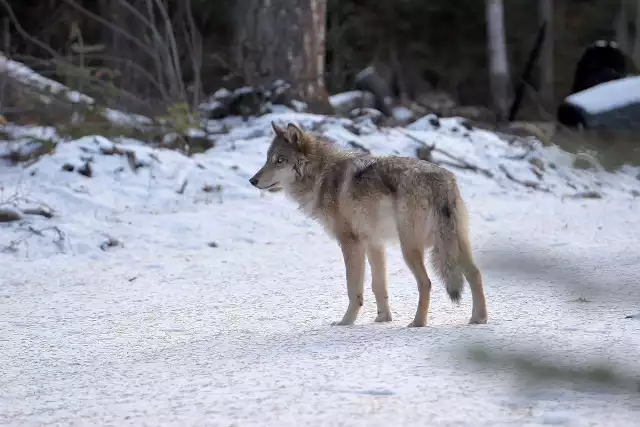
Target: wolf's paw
(383, 317)
(478, 320)
(417, 324)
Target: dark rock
(585, 109)
(359, 114)
(356, 145)
(344, 103)
(86, 170)
(424, 153)
(370, 80)
(475, 113)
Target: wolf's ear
(294, 133)
(278, 130)
(296, 137)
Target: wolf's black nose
(254, 181)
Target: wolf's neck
(304, 190)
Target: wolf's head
(286, 159)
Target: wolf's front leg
(353, 252)
(376, 257)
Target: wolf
(365, 202)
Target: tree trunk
(546, 63)
(622, 34)
(635, 53)
(498, 63)
(283, 39)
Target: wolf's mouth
(270, 187)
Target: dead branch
(527, 183)
(109, 25)
(40, 211)
(59, 240)
(464, 164)
(530, 149)
(460, 163)
(183, 187)
(583, 195)
(10, 214)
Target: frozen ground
(216, 309)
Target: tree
(546, 63)
(283, 39)
(635, 53)
(498, 63)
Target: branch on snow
(457, 161)
(10, 213)
(527, 183)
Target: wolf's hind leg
(474, 277)
(414, 257)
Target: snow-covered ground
(213, 304)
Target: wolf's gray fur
(365, 201)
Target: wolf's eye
(281, 159)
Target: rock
(611, 105)
(424, 153)
(86, 170)
(428, 122)
(249, 101)
(438, 102)
(111, 242)
(476, 114)
(344, 103)
(365, 121)
(370, 80)
(376, 116)
(585, 161)
(279, 93)
(537, 162)
(402, 114)
(540, 131)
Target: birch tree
(628, 44)
(498, 63)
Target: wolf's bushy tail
(450, 221)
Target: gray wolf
(365, 201)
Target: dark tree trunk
(283, 39)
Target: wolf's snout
(254, 181)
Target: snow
(607, 96)
(27, 75)
(345, 97)
(402, 114)
(214, 307)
